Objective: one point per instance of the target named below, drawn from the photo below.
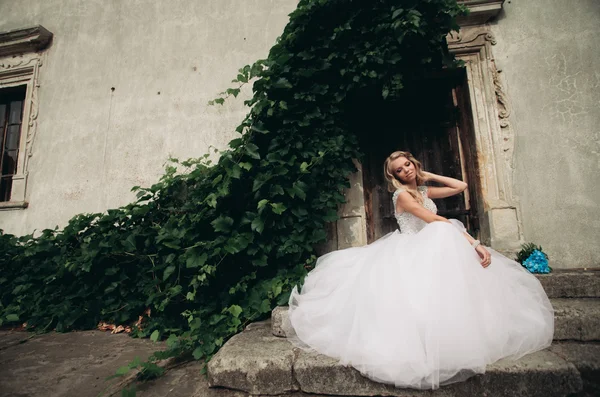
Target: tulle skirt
(419, 310)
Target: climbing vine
(213, 246)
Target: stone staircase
(260, 361)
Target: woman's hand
(484, 254)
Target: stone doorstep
(574, 319)
(259, 363)
(571, 283)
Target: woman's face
(403, 169)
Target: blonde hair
(394, 183)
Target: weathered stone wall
(549, 52)
(165, 60)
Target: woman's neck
(412, 185)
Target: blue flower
(537, 262)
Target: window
(22, 52)
(11, 118)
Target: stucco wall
(549, 54)
(94, 144)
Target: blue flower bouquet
(533, 259)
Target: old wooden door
(432, 122)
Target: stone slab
(254, 361)
(571, 284)
(576, 319)
(540, 374)
(257, 362)
(586, 358)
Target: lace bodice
(408, 223)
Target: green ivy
(212, 247)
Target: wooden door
(428, 122)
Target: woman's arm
(453, 186)
(406, 202)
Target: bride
(425, 305)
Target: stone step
(571, 283)
(259, 363)
(574, 319)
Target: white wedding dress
(416, 308)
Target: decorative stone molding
(503, 103)
(481, 11)
(493, 134)
(23, 70)
(471, 41)
(21, 41)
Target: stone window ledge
(13, 205)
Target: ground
(78, 363)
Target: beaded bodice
(408, 223)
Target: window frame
(21, 56)
(22, 72)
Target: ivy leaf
(276, 189)
(259, 129)
(265, 306)
(278, 208)
(246, 166)
(282, 82)
(172, 341)
(235, 143)
(300, 189)
(235, 310)
(397, 12)
(168, 271)
(12, 318)
(257, 225)
(233, 91)
(171, 244)
(262, 203)
(222, 223)
(198, 353)
(218, 179)
(236, 171)
(194, 261)
(154, 336)
(252, 151)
